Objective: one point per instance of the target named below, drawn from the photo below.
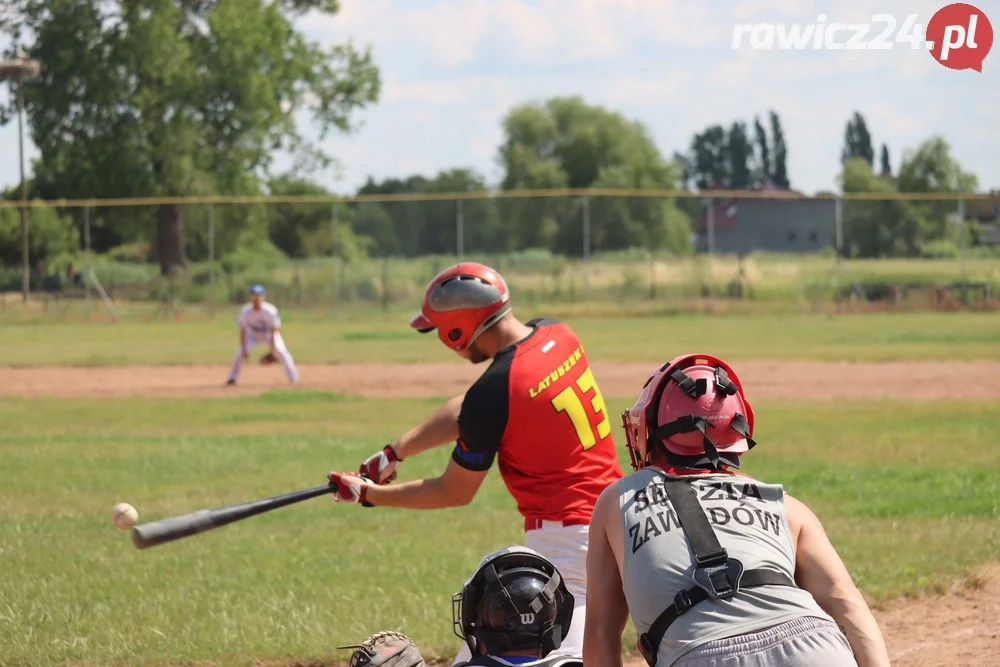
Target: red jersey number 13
(570, 401)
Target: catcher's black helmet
(516, 599)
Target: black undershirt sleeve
(483, 419)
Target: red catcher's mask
(695, 407)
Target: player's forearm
(849, 610)
(441, 428)
(424, 494)
(602, 646)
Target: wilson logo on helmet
(489, 611)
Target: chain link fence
(590, 249)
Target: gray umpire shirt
(748, 518)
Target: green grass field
(367, 336)
(909, 491)
(904, 512)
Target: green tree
(429, 226)
(371, 220)
(709, 159)
(932, 168)
(52, 234)
(567, 143)
(53, 237)
(858, 141)
(684, 162)
(886, 167)
(150, 98)
(648, 222)
(578, 138)
(763, 152)
(890, 228)
(738, 155)
(779, 173)
(722, 159)
(310, 230)
(904, 227)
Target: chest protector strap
(716, 575)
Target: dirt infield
(954, 630)
(958, 629)
(978, 380)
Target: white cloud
(451, 33)
(445, 33)
(426, 92)
(670, 87)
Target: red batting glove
(381, 466)
(351, 488)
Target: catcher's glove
(268, 359)
(391, 649)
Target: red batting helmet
(694, 406)
(462, 302)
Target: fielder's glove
(268, 359)
(388, 649)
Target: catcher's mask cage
(516, 599)
(690, 395)
(461, 303)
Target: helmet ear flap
(551, 637)
(454, 334)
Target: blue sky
(452, 68)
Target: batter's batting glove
(381, 466)
(386, 649)
(351, 488)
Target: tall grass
(537, 276)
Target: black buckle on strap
(720, 581)
(723, 382)
(682, 602)
(712, 558)
(693, 388)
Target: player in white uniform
(260, 325)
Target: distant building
(984, 210)
(989, 235)
(743, 226)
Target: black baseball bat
(177, 527)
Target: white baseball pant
(566, 547)
(280, 351)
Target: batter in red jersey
(536, 410)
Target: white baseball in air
(124, 515)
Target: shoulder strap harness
(716, 575)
